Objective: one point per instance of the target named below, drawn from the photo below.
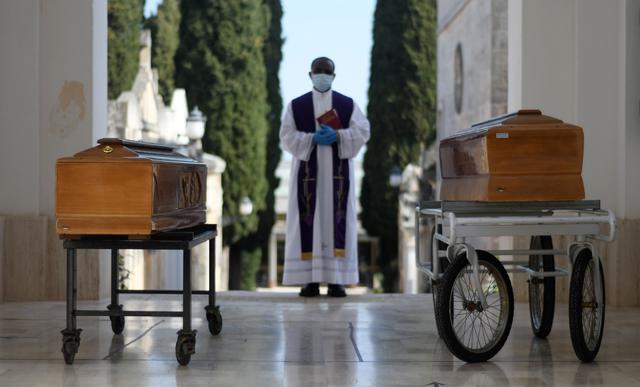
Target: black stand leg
(114, 276)
(117, 321)
(214, 318)
(71, 288)
(71, 335)
(186, 344)
(186, 290)
(212, 272)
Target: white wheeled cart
(472, 293)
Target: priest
(321, 242)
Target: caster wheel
(117, 324)
(185, 347)
(214, 320)
(70, 344)
(182, 353)
(69, 352)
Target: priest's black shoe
(310, 290)
(334, 290)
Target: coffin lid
(118, 150)
(520, 117)
(134, 144)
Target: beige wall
(19, 105)
(53, 101)
(578, 60)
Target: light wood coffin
(523, 156)
(123, 187)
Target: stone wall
(479, 28)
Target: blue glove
(327, 128)
(325, 136)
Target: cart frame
(454, 221)
(184, 240)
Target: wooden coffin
(523, 156)
(123, 187)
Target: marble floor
(278, 339)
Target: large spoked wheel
(542, 291)
(586, 314)
(438, 249)
(472, 332)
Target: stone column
(54, 104)
(216, 167)
(273, 260)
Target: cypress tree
(402, 112)
(165, 27)
(220, 63)
(272, 58)
(256, 245)
(151, 23)
(124, 20)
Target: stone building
(566, 59)
(472, 62)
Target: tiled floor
(282, 340)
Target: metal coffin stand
(473, 298)
(184, 240)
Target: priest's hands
(327, 128)
(325, 136)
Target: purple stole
(305, 119)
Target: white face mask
(322, 82)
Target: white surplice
(323, 266)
